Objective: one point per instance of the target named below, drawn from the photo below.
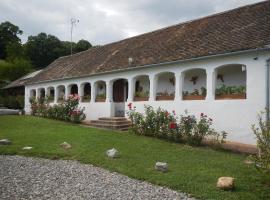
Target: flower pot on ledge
(140, 98)
(98, 99)
(165, 98)
(193, 97)
(230, 96)
(50, 101)
(86, 100)
(60, 100)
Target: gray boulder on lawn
(225, 183)
(65, 145)
(161, 166)
(5, 142)
(112, 153)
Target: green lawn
(191, 170)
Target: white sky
(105, 21)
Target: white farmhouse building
(218, 65)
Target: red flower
(129, 106)
(172, 125)
(167, 113)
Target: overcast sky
(105, 21)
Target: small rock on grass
(249, 162)
(161, 166)
(5, 142)
(27, 148)
(112, 153)
(226, 183)
(65, 145)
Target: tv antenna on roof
(73, 23)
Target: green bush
(162, 124)
(12, 102)
(14, 69)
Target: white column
(211, 84)
(181, 86)
(93, 91)
(46, 92)
(67, 91)
(109, 91)
(38, 93)
(178, 87)
(80, 91)
(56, 94)
(153, 85)
(130, 89)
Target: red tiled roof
(240, 29)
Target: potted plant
(60, 99)
(101, 98)
(50, 99)
(164, 96)
(231, 92)
(141, 96)
(195, 95)
(86, 98)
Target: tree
(82, 45)
(43, 49)
(15, 51)
(65, 50)
(10, 71)
(8, 34)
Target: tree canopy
(8, 35)
(43, 49)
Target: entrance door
(120, 92)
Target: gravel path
(35, 178)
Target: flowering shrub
(157, 123)
(67, 110)
(262, 133)
(195, 130)
(162, 124)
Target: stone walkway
(35, 178)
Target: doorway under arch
(119, 97)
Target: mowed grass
(191, 170)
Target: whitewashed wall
(233, 116)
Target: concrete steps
(114, 123)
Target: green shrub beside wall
(12, 102)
